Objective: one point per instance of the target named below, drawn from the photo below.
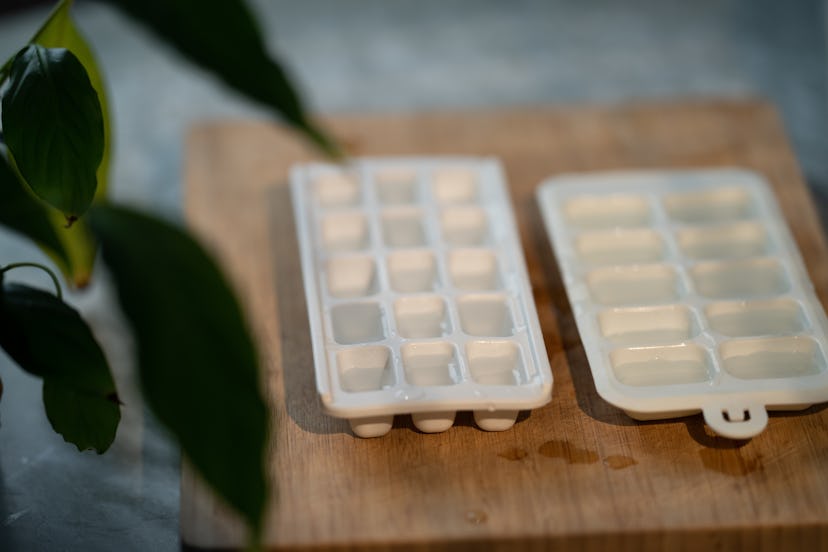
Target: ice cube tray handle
(736, 421)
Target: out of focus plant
(193, 347)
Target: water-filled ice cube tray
(689, 294)
(418, 297)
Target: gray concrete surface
(366, 56)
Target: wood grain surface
(577, 474)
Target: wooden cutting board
(577, 473)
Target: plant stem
(46, 269)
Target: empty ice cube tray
(689, 294)
(418, 297)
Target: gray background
(366, 56)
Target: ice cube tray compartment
(418, 297)
(689, 294)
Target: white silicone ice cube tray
(689, 294)
(417, 291)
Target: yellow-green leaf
(60, 31)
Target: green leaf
(60, 31)
(223, 38)
(53, 126)
(24, 213)
(197, 362)
(49, 339)
(85, 420)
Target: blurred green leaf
(53, 127)
(24, 213)
(197, 362)
(49, 339)
(222, 37)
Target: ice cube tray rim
(530, 394)
(754, 396)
